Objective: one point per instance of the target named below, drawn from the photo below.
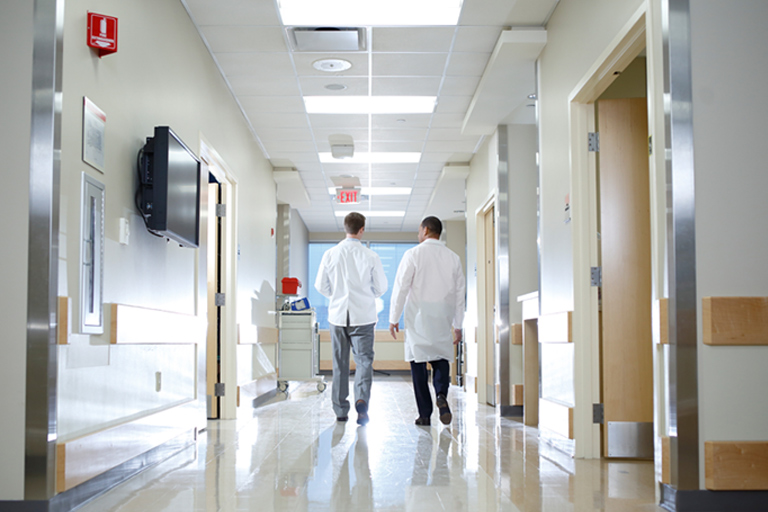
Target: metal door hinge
(218, 389)
(593, 141)
(596, 276)
(650, 145)
(220, 299)
(221, 210)
(597, 414)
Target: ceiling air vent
(326, 39)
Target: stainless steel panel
(629, 439)
(502, 269)
(45, 151)
(681, 243)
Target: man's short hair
(433, 224)
(354, 222)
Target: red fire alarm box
(291, 285)
(102, 33)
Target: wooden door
(213, 344)
(627, 346)
(491, 337)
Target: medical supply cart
(298, 349)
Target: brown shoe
(445, 411)
(422, 422)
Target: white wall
(161, 75)
(577, 33)
(16, 40)
(731, 181)
(299, 252)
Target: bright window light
(373, 158)
(375, 213)
(350, 13)
(370, 104)
(377, 191)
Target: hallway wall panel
(162, 74)
(16, 39)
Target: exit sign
(348, 196)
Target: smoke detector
(342, 146)
(331, 65)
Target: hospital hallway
(292, 454)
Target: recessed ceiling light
(346, 13)
(378, 191)
(331, 65)
(335, 87)
(374, 213)
(373, 158)
(370, 104)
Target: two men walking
(430, 288)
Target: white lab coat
(430, 286)
(351, 275)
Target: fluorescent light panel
(377, 191)
(375, 213)
(350, 13)
(373, 158)
(370, 104)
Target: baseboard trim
(514, 411)
(85, 492)
(713, 501)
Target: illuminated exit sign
(348, 196)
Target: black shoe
(422, 422)
(362, 412)
(445, 411)
(342, 418)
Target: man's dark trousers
(441, 379)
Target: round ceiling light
(332, 65)
(335, 87)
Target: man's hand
(393, 328)
(456, 336)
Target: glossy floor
(292, 455)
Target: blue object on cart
(300, 305)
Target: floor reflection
(291, 454)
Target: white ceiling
(268, 79)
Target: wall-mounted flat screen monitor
(169, 188)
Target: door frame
(213, 163)
(641, 31)
(482, 306)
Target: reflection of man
(352, 277)
(430, 286)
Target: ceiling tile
(293, 104)
(446, 157)
(486, 12)
(476, 39)
(244, 39)
(399, 146)
(233, 12)
(277, 146)
(453, 104)
(295, 157)
(304, 64)
(357, 134)
(264, 86)
(409, 64)
(264, 121)
(406, 86)
(450, 134)
(405, 134)
(390, 121)
(452, 145)
(315, 86)
(324, 146)
(412, 39)
(467, 64)
(448, 120)
(286, 134)
(460, 85)
(351, 169)
(255, 64)
(338, 121)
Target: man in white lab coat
(352, 277)
(430, 286)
